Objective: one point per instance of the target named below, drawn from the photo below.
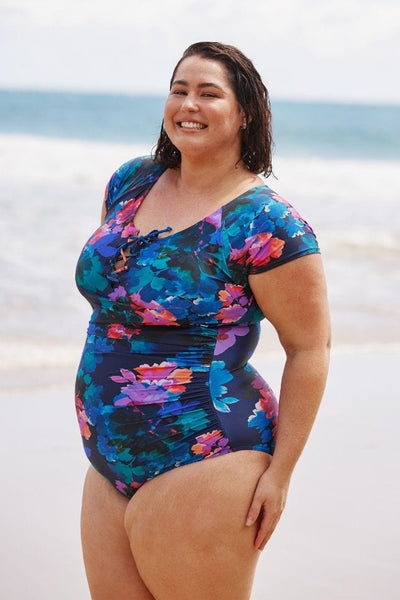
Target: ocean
(300, 128)
(337, 164)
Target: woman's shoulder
(262, 230)
(261, 203)
(134, 165)
(131, 175)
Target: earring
(244, 124)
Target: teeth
(192, 125)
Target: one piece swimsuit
(164, 379)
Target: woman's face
(202, 114)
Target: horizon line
(300, 99)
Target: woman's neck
(211, 177)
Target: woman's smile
(191, 125)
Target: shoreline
(63, 178)
(21, 375)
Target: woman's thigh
(187, 529)
(110, 566)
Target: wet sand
(337, 539)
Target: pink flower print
(151, 312)
(214, 218)
(210, 444)
(83, 419)
(103, 230)
(231, 293)
(234, 303)
(121, 487)
(117, 331)
(156, 371)
(168, 374)
(267, 402)
(128, 211)
(139, 393)
(264, 248)
(231, 314)
(258, 250)
(158, 316)
(258, 382)
(153, 384)
(265, 423)
(227, 337)
(125, 376)
(118, 293)
(129, 230)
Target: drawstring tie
(132, 244)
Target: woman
(180, 273)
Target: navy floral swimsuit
(164, 378)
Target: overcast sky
(346, 50)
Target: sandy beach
(338, 538)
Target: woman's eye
(178, 92)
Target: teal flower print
(219, 376)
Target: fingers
(266, 508)
(269, 518)
(254, 511)
(266, 529)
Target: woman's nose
(190, 102)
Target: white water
(50, 199)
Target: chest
(165, 206)
(177, 278)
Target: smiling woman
(193, 252)
(234, 74)
(203, 103)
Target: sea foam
(50, 200)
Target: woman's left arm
(293, 298)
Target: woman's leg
(110, 567)
(187, 529)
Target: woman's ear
(246, 119)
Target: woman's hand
(267, 506)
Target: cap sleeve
(265, 233)
(130, 178)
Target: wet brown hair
(252, 96)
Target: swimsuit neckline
(137, 232)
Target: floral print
(153, 384)
(210, 444)
(164, 378)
